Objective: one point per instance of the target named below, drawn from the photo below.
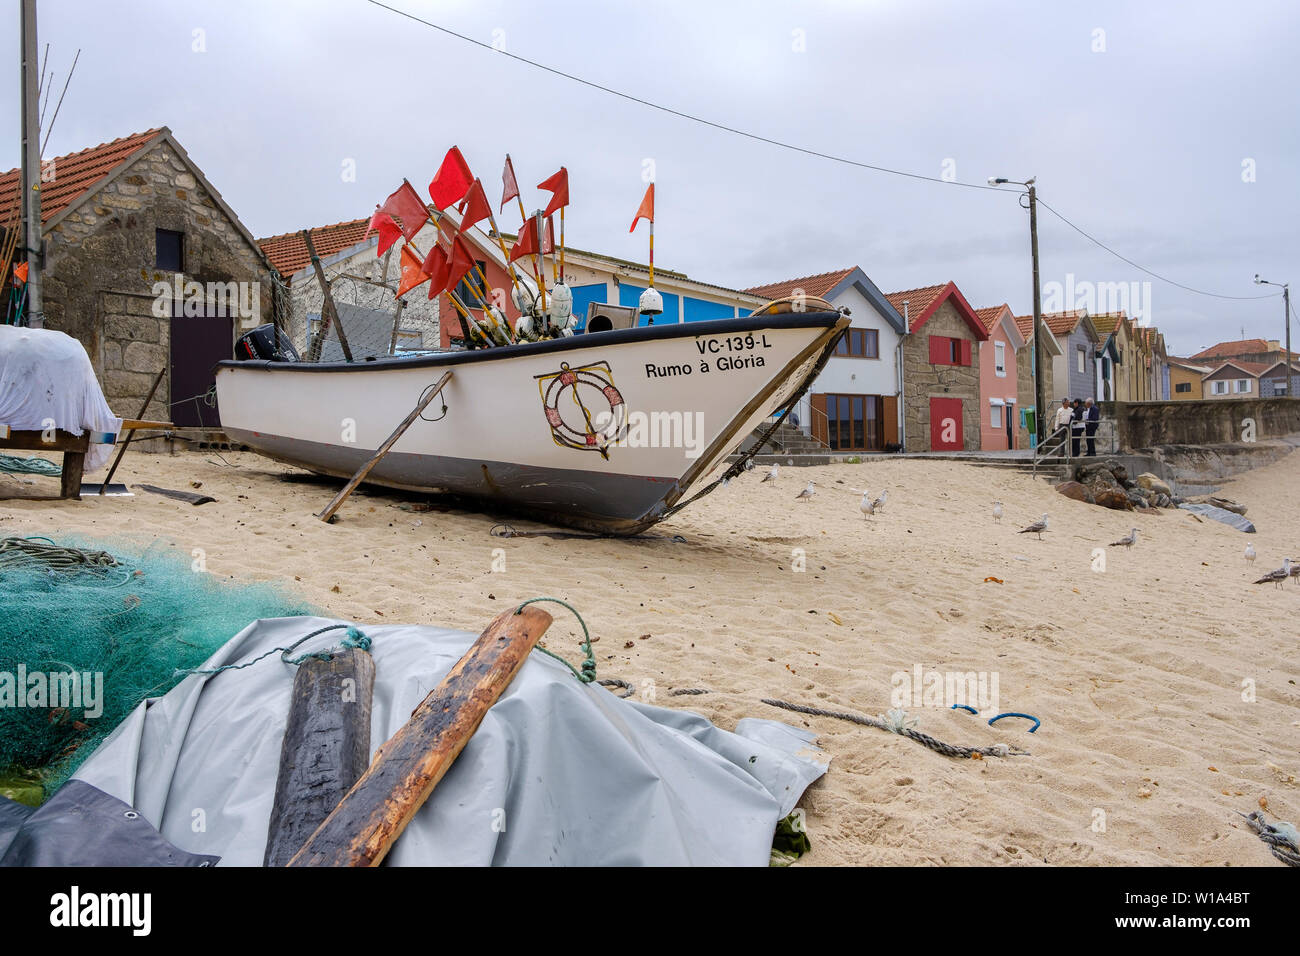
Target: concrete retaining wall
(1247, 420)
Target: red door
(945, 424)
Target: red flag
(405, 206)
(511, 188)
(462, 260)
(451, 180)
(548, 240)
(558, 186)
(647, 208)
(387, 229)
(476, 206)
(412, 272)
(526, 243)
(437, 267)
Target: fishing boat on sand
(605, 429)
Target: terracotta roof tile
(1108, 322)
(918, 301)
(816, 285)
(1229, 349)
(288, 252)
(74, 175)
(990, 315)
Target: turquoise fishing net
(135, 623)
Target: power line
(790, 146)
(1094, 239)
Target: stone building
(941, 374)
(147, 267)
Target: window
(1000, 359)
(859, 343)
(1241, 386)
(1081, 358)
(995, 416)
(169, 250)
(949, 351)
(470, 290)
(1220, 388)
(1183, 387)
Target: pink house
(1006, 381)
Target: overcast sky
(1166, 129)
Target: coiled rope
(15, 465)
(1282, 839)
(353, 638)
(15, 552)
(895, 721)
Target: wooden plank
(326, 748)
(365, 825)
(360, 476)
(36, 441)
(137, 424)
(186, 496)
(131, 426)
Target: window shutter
(965, 351)
(939, 350)
(819, 430)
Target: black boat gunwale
(748, 323)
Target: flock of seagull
(872, 506)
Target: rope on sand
(617, 682)
(682, 691)
(16, 464)
(895, 721)
(1282, 838)
(18, 551)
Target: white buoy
(652, 303)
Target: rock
(1119, 471)
(1138, 499)
(1072, 489)
(1230, 518)
(1086, 471)
(1114, 499)
(1153, 483)
(1162, 501)
(1130, 484)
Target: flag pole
(561, 243)
(652, 253)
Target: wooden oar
(368, 821)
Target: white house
(854, 403)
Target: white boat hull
(604, 431)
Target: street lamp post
(1039, 404)
(1286, 317)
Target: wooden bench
(74, 448)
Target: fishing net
(124, 618)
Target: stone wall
(100, 273)
(1148, 424)
(1024, 391)
(923, 381)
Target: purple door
(197, 344)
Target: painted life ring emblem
(583, 407)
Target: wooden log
(139, 424)
(326, 748)
(329, 313)
(328, 514)
(130, 427)
(368, 821)
(74, 463)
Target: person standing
(1091, 417)
(1076, 427)
(1064, 415)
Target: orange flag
(412, 272)
(387, 229)
(20, 273)
(510, 188)
(558, 186)
(646, 209)
(451, 180)
(437, 267)
(526, 243)
(476, 207)
(405, 205)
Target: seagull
(1278, 576)
(1127, 541)
(868, 509)
(1038, 527)
(879, 503)
(806, 493)
(1250, 553)
(1295, 567)
(997, 511)
(771, 474)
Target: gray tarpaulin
(558, 772)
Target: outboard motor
(260, 344)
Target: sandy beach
(1138, 672)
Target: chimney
(1274, 345)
